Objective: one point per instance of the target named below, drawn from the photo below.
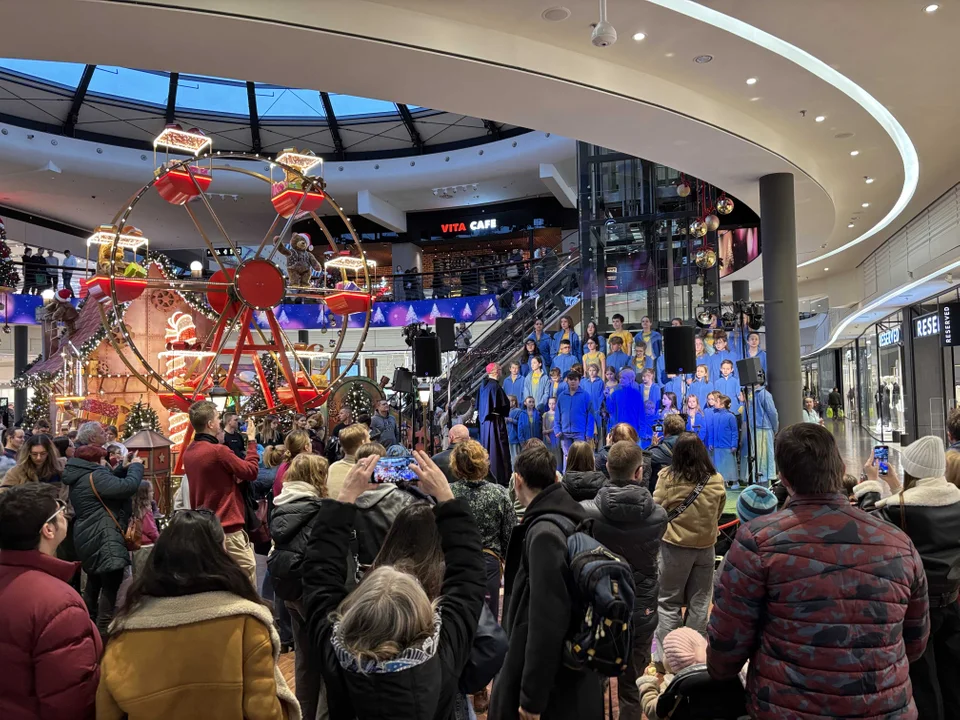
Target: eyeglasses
(61, 506)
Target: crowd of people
(42, 272)
(413, 586)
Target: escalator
(502, 341)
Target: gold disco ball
(706, 259)
(683, 190)
(712, 222)
(698, 228)
(724, 206)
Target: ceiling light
(555, 14)
(703, 59)
(850, 225)
(754, 99)
(820, 118)
(638, 37)
(868, 180)
(751, 81)
(865, 205)
(931, 8)
(854, 153)
(826, 269)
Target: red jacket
(214, 471)
(49, 648)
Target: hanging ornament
(724, 205)
(698, 228)
(683, 189)
(706, 258)
(712, 222)
(700, 280)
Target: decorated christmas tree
(9, 277)
(39, 405)
(411, 315)
(257, 402)
(358, 399)
(140, 417)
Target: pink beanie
(682, 648)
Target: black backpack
(600, 637)
(694, 695)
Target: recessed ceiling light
(826, 269)
(850, 225)
(820, 118)
(754, 99)
(854, 153)
(555, 14)
(670, 54)
(703, 59)
(868, 180)
(865, 205)
(638, 37)
(751, 81)
(931, 8)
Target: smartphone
(658, 428)
(881, 453)
(394, 469)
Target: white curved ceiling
(500, 60)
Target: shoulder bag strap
(903, 513)
(688, 501)
(94, 488)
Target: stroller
(694, 695)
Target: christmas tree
(411, 315)
(378, 316)
(257, 402)
(140, 417)
(39, 405)
(358, 399)
(9, 277)
(434, 312)
(466, 314)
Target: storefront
(820, 375)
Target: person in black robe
(493, 409)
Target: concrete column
(741, 291)
(778, 233)
(407, 255)
(21, 351)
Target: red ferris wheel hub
(260, 284)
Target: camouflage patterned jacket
(829, 604)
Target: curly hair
(469, 461)
(311, 469)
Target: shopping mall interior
(307, 207)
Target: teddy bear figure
(63, 311)
(300, 261)
(103, 260)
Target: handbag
(133, 535)
(486, 655)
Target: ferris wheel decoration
(242, 294)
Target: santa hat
(63, 295)
(306, 237)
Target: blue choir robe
(724, 439)
(654, 343)
(709, 415)
(677, 386)
(648, 362)
(729, 386)
(617, 360)
(575, 347)
(651, 409)
(601, 343)
(493, 410)
(564, 363)
(544, 345)
(594, 389)
(701, 389)
(541, 392)
(529, 426)
(698, 425)
(512, 420)
(625, 405)
(717, 359)
(525, 368)
(661, 368)
(514, 387)
(705, 359)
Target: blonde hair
(311, 469)
(370, 448)
(296, 443)
(387, 613)
(953, 467)
(469, 461)
(352, 437)
(273, 456)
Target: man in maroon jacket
(49, 648)
(215, 474)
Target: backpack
(600, 637)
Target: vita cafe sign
(474, 226)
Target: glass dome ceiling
(129, 107)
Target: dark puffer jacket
(376, 511)
(584, 485)
(829, 605)
(629, 523)
(290, 526)
(98, 540)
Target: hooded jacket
(49, 647)
(98, 540)
(376, 511)
(421, 683)
(931, 509)
(538, 611)
(211, 655)
(294, 511)
(583, 485)
(628, 522)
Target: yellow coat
(695, 527)
(210, 655)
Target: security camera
(604, 33)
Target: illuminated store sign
(889, 337)
(950, 324)
(474, 226)
(926, 325)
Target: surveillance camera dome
(604, 34)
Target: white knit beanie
(924, 458)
